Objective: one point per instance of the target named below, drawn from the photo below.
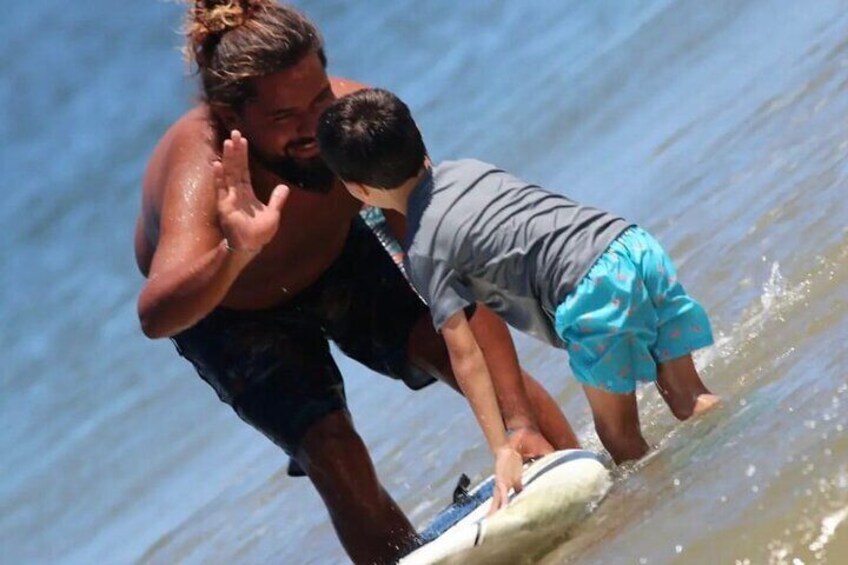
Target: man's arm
(472, 374)
(211, 227)
(176, 297)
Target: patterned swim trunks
(628, 314)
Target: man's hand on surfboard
(508, 469)
(247, 223)
(529, 442)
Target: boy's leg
(682, 389)
(617, 423)
(682, 326)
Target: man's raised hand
(248, 224)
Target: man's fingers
(226, 192)
(228, 202)
(278, 197)
(242, 166)
(236, 165)
(218, 179)
(231, 177)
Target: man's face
(280, 123)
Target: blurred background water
(721, 126)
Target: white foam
(828, 528)
(774, 300)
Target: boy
(576, 277)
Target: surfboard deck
(559, 491)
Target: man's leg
(682, 389)
(617, 423)
(370, 525)
(549, 417)
(426, 350)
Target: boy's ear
(359, 190)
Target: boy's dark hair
(370, 137)
(233, 42)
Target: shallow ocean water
(721, 127)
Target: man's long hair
(234, 41)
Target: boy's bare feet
(705, 402)
(682, 389)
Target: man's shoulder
(342, 86)
(181, 155)
(191, 139)
(194, 129)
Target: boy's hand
(529, 443)
(508, 468)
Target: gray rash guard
(478, 234)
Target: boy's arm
(472, 375)
(495, 341)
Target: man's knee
(337, 462)
(330, 442)
(368, 522)
(426, 350)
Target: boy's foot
(682, 389)
(705, 402)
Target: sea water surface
(720, 126)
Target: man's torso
(312, 229)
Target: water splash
(774, 289)
(828, 528)
(777, 297)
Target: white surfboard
(559, 491)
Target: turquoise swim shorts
(628, 314)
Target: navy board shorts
(274, 367)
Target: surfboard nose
(559, 492)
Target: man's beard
(312, 175)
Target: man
(250, 277)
